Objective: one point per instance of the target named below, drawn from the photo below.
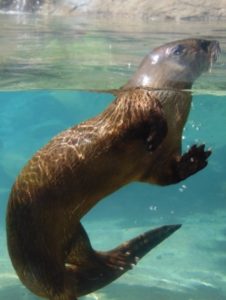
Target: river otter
(137, 138)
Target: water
(45, 87)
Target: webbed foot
(95, 270)
(127, 255)
(118, 259)
(192, 161)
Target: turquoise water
(190, 265)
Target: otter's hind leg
(92, 270)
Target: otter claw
(192, 161)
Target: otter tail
(101, 268)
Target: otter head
(175, 65)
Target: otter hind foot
(118, 259)
(125, 256)
(192, 161)
(101, 268)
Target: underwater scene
(56, 73)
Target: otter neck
(148, 82)
(176, 104)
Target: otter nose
(207, 45)
(204, 44)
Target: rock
(161, 9)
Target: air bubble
(153, 208)
(182, 188)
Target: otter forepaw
(192, 161)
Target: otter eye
(178, 50)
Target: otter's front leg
(185, 165)
(146, 117)
(156, 132)
(190, 162)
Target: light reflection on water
(61, 53)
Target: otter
(137, 138)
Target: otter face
(175, 65)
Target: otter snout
(206, 45)
(214, 50)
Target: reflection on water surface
(66, 53)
